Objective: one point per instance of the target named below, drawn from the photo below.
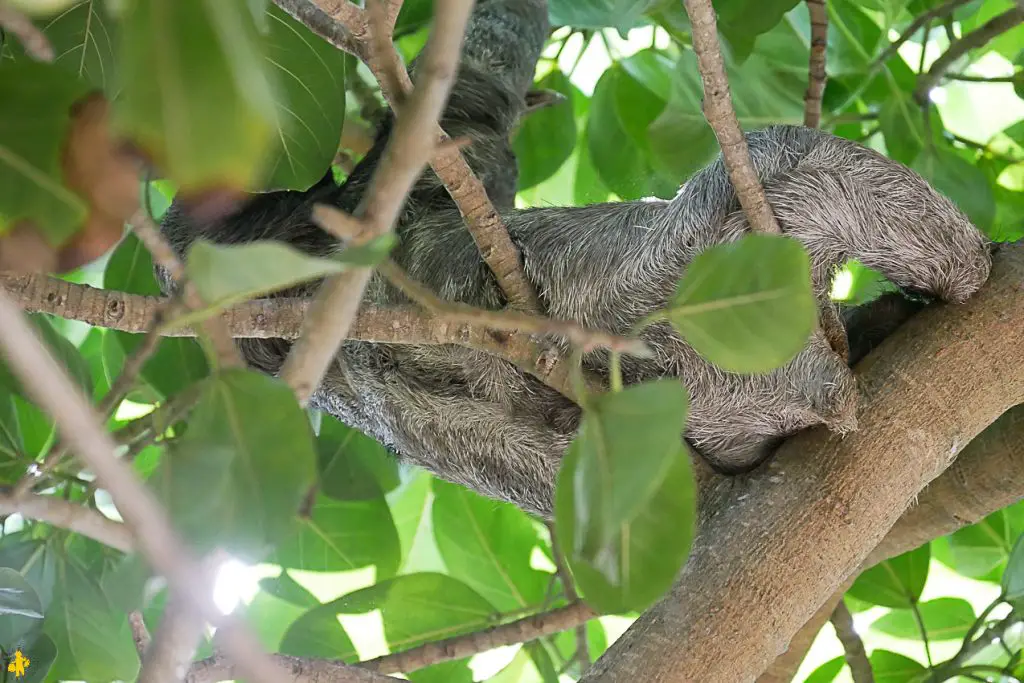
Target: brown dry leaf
(104, 174)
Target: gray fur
(478, 421)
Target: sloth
(477, 420)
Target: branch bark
(411, 145)
(853, 646)
(721, 116)
(817, 76)
(975, 39)
(67, 515)
(824, 502)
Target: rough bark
(824, 503)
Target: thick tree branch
(824, 502)
(334, 308)
(988, 475)
(66, 515)
(816, 73)
(853, 646)
(300, 670)
(973, 40)
(339, 22)
(721, 116)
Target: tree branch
(817, 76)
(721, 116)
(853, 646)
(66, 515)
(339, 22)
(975, 39)
(49, 386)
(410, 146)
(35, 43)
(943, 10)
(823, 502)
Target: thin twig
(51, 388)
(410, 146)
(975, 39)
(721, 116)
(521, 631)
(164, 256)
(939, 12)
(984, 79)
(582, 654)
(817, 75)
(36, 44)
(919, 620)
(140, 634)
(66, 515)
(853, 646)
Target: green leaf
(621, 110)
(964, 183)
(741, 24)
(286, 588)
(311, 73)
(890, 667)
(488, 545)
(547, 137)
(177, 362)
(270, 617)
(457, 671)
(34, 124)
(625, 499)
(194, 92)
(827, 672)
(353, 466)
(747, 306)
(62, 350)
(894, 583)
(42, 653)
(343, 535)
(13, 460)
(1013, 576)
(20, 608)
(903, 126)
(93, 640)
(35, 560)
(239, 474)
(369, 254)
(418, 608)
(318, 633)
(84, 40)
(226, 275)
(981, 548)
(595, 14)
(944, 619)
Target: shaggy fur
(476, 420)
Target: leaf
(318, 633)
(827, 672)
(747, 306)
(93, 640)
(418, 608)
(35, 560)
(226, 275)
(625, 498)
(456, 671)
(286, 588)
(1013, 575)
(353, 466)
(35, 121)
(894, 583)
(63, 352)
(903, 126)
(944, 619)
(343, 535)
(741, 26)
(13, 460)
(177, 362)
(239, 474)
(194, 92)
(311, 73)
(964, 183)
(595, 14)
(547, 137)
(20, 609)
(979, 549)
(890, 667)
(42, 653)
(487, 545)
(621, 110)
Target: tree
(136, 455)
